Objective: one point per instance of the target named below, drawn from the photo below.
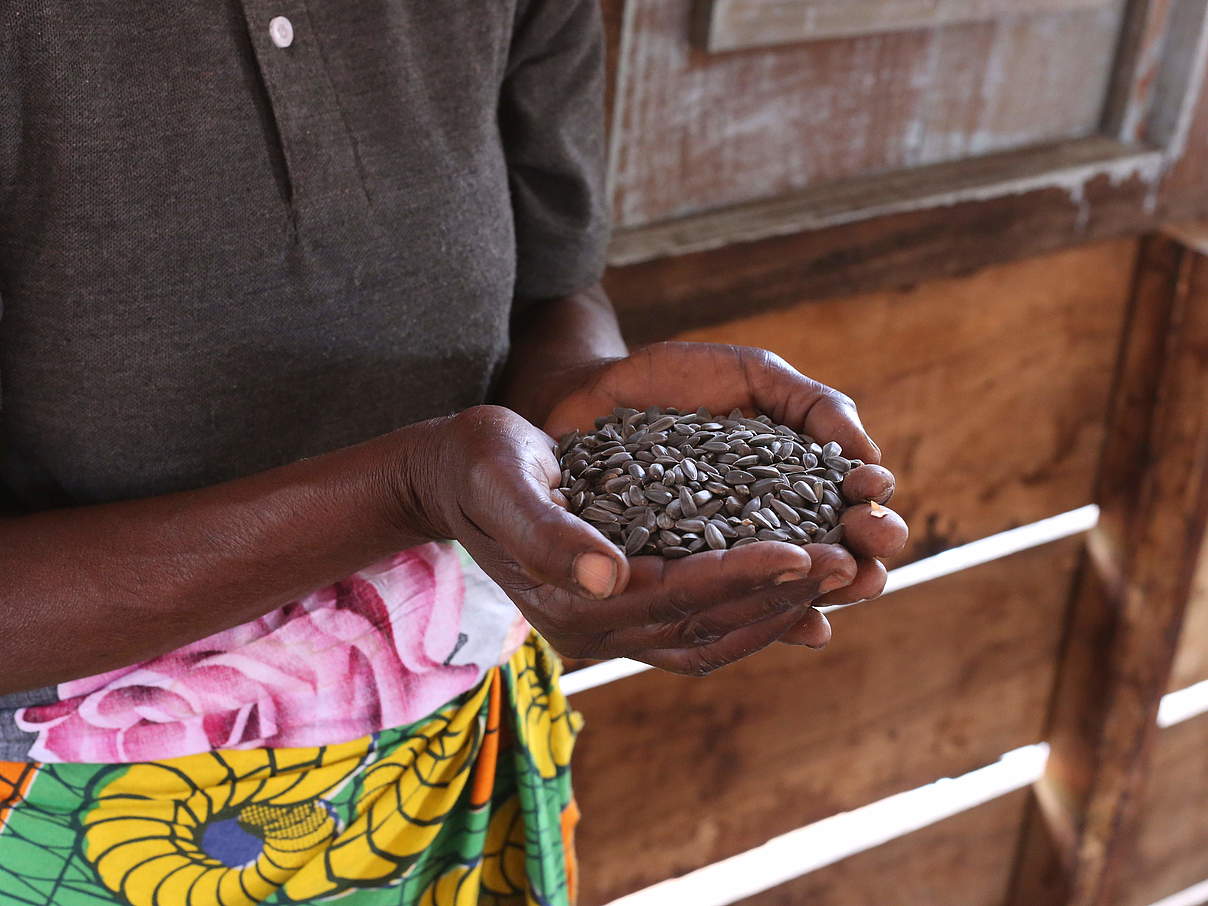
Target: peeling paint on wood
(696, 131)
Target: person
(294, 297)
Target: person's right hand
(490, 482)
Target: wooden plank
(655, 299)
(701, 131)
(1170, 854)
(1066, 166)
(964, 860)
(1137, 69)
(749, 24)
(1137, 580)
(612, 14)
(951, 403)
(1186, 185)
(1191, 658)
(1179, 80)
(673, 774)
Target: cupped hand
(491, 483)
(720, 378)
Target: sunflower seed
(784, 511)
(770, 515)
(759, 519)
(772, 535)
(834, 536)
(636, 540)
(671, 483)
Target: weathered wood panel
(674, 774)
(656, 299)
(747, 24)
(1133, 592)
(1170, 853)
(1185, 192)
(699, 130)
(964, 860)
(1191, 659)
(1137, 69)
(987, 393)
(1066, 166)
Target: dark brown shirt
(218, 254)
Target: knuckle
(695, 631)
(776, 604)
(703, 665)
(840, 398)
(673, 606)
(771, 361)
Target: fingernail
(790, 575)
(832, 582)
(596, 574)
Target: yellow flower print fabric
(469, 806)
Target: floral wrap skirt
(470, 805)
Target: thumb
(529, 519)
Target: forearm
(553, 339)
(89, 589)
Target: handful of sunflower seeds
(658, 481)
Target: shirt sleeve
(551, 120)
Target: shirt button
(281, 30)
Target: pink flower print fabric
(379, 649)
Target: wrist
(415, 459)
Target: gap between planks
(815, 846)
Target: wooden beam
(839, 254)
(1066, 166)
(747, 24)
(1134, 588)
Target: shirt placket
(327, 192)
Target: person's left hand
(721, 378)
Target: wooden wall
(957, 222)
